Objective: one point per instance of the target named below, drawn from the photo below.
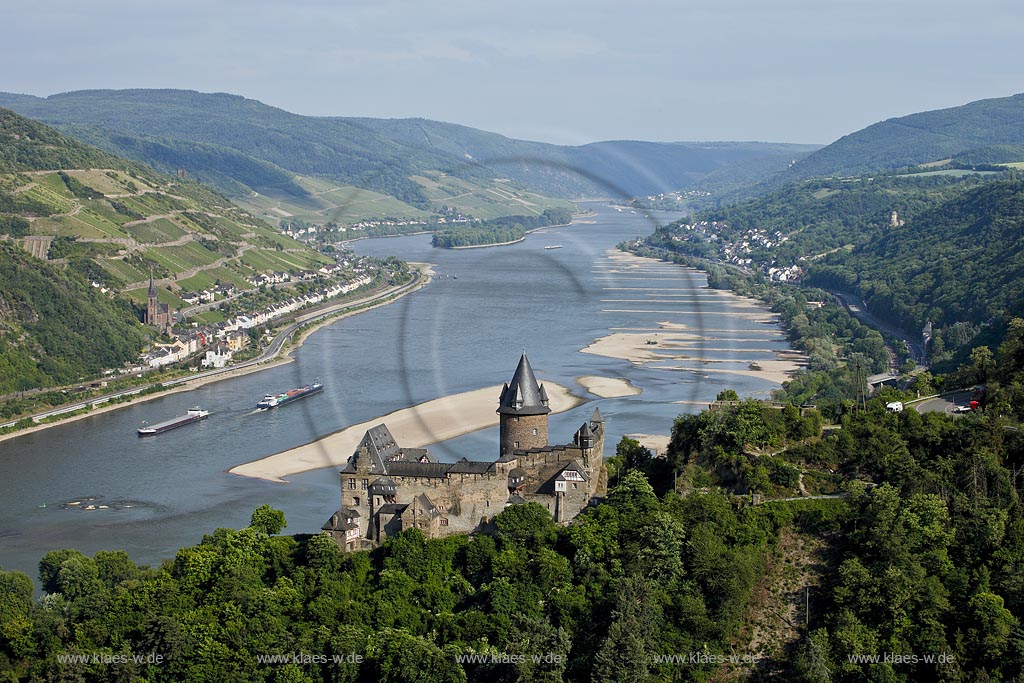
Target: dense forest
(498, 230)
(957, 262)
(55, 328)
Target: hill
(80, 233)
(616, 168)
(958, 265)
(242, 145)
(918, 139)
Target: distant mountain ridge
(241, 144)
(917, 139)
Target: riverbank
(521, 239)
(319, 320)
(686, 347)
(419, 426)
(489, 244)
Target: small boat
(553, 246)
(271, 401)
(193, 415)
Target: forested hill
(616, 168)
(242, 144)
(55, 327)
(962, 261)
(26, 145)
(917, 139)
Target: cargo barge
(193, 415)
(271, 401)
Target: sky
(561, 71)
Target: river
(464, 331)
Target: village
(743, 249)
(219, 342)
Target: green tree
(268, 520)
(528, 524)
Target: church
(157, 314)
(386, 488)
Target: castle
(386, 489)
(157, 314)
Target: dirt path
(775, 618)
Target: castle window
(366, 484)
(515, 444)
(351, 484)
(444, 521)
(356, 500)
(535, 431)
(574, 485)
(517, 418)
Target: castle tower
(523, 411)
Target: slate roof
(384, 453)
(428, 507)
(575, 467)
(436, 470)
(464, 466)
(597, 417)
(341, 516)
(523, 395)
(393, 508)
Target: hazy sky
(561, 71)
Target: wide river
(464, 331)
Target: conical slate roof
(523, 395)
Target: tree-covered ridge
(817, 216)
(916, 139)
(26, 145)
(223, 168)
(498, 230)
(55, 328)
(925, 556)
(961, 261)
